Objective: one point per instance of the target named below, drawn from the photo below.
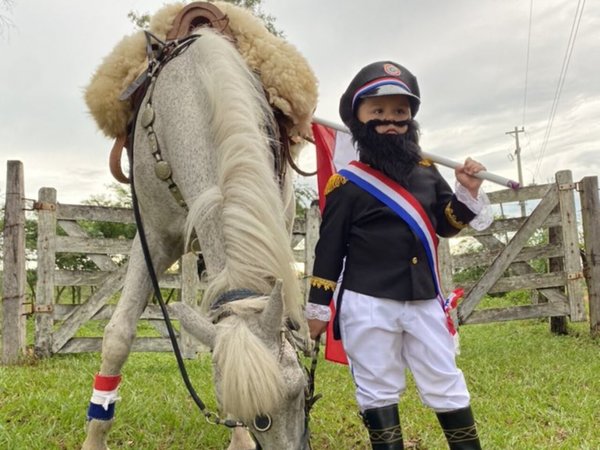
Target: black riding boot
(460, 430)
(384, 427)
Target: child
(380, 222)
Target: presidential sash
(411, 211)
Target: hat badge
(392, 70)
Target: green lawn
(530, 389)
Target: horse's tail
(247, 196)
(251, 382)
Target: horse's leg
(241, 440)
(119, 335)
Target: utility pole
(520, 170)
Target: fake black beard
(396, 155)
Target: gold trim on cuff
(452, 219)
(322, 283)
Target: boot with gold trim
(384, 428)
(459, 429)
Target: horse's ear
(197, 325)
(272, 316)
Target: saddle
(199, 14)
(192, 16)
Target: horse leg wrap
(104, 396)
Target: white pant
(382, 338)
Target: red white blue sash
(409, 209)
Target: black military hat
(380, 78)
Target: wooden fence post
(558, 324)
(313, 221)
(572, 261)
(13, 297)
(446, 269)
(46, 257)
(189, 291)
(590, 215)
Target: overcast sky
(470, 57)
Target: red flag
(334, 151)
(325, 146)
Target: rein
(168, 51)
(211, 417)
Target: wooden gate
(505, 259)
(508, 263)
(56, 324)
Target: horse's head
(258, 377)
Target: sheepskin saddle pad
(289, 83)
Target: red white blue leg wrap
(104, 396)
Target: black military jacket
(384, 258)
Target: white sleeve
(480, 206)
(316, 311)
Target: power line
(561, 81)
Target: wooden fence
(504, 257)
(508, 262)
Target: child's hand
(464, 175)
(316, 327)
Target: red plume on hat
(380, 78)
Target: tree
(5, 21)
(256, 8)
(139, 20)
(118, 197)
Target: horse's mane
(251, 381)
(247, 196)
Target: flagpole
(484, 175)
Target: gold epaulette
(322, 283)
(426, 163)
(334, 182)
(453, 219)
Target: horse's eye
(263, 423)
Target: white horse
(211, 120)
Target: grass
(531, 390)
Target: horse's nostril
(262, 423)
